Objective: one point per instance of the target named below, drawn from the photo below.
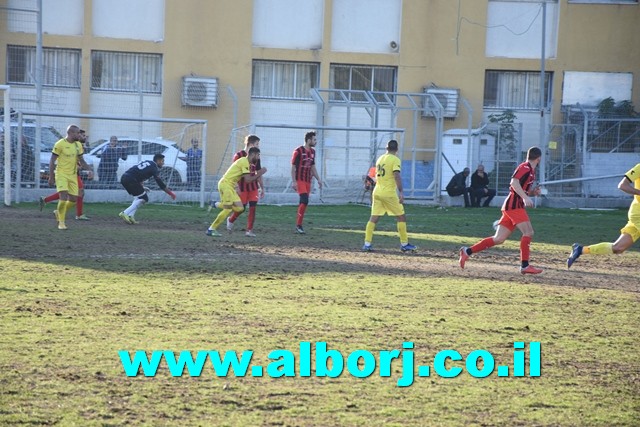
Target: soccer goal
(343, 158)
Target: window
(361, 77)
(605, 1)
(519, 90)
(61, 67)
(284, 80)
(126, 72)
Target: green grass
(71, 300)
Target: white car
(174, 171)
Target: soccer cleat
(367, 248)
(213, 233)
(530, 269)
(42, 203)
(230, 226)
(299, 229)
(82, 217)
(133, 220)
(463, 256)
(576, 251)
(55, 213)
(250, 233)
(408, 247)
(126, 218)
(62, 226)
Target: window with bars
(126, 71)
(518, 90)
(363, 78)
(61, 67)
(284, 80)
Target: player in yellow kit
(629, 234)
(388, 198)
(229, 199)
(65, 157)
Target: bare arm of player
(294, 183)
(314, 172)
(261, 190)
(398, 178)
(625, 185)
(85, 166)
(515, 184)
(52, 166)
(251, 178)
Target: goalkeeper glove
(171, 194)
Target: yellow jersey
(386, 165)
(634, 176)
(68, 153)
(236, 170)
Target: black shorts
(132, 186)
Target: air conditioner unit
(448, 98)
(200, 91)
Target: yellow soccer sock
(368, 233)
(61, 204)
(238, 209)
(604, 248)
(220, 218)
(62, 210)
(402, 231)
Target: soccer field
(73, 301)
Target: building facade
(234, 63)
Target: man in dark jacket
(458, 186)
(480, 188)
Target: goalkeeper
(229, 198)
(132, 181)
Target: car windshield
(49, 137)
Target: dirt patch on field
(104, 241)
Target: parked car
(173, 173)
(48, 137)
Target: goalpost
(139, 137)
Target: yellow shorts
(386, 204)
(228, 194)
(632, 230)
(68, 183)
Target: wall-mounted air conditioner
(199, 91)
(447, 97)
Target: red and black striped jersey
(303, 160)
(526, 174)
(248, 186)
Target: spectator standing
(458, 186)
(303, 168)
(194, 164)
(108, 167)
(514, 214)
(480, 188)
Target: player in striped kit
(250, 192)
(303, 168)
(514, 214)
